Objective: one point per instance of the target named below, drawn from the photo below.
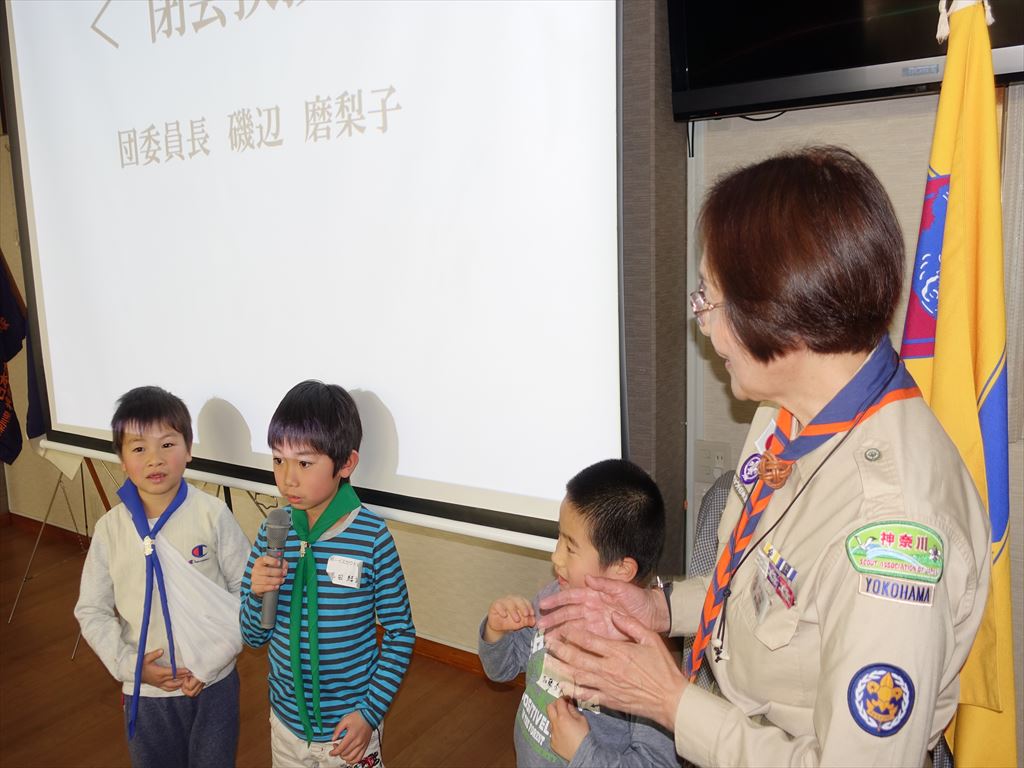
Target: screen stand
(59, 486)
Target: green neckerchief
(344, 501)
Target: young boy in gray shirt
(611, 523)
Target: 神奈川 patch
(897, 549)
(881, 698)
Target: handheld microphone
(278, 523)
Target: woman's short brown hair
(806, 251)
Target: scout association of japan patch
(881, 698)
(897, 549)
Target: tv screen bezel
(889, 80)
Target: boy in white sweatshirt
(159, 594)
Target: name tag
(548, 681)
(345, 571)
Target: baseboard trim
(458, 658)
(446, 654)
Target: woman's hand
(637, 675)
(591, 608)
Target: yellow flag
(954, 344)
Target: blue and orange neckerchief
(883, 379)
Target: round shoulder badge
(881, 697)
(748, 470)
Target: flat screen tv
(748, 56)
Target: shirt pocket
(778, 627)
(767, 655)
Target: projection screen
(417, 201)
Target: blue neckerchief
(882, 373)
(130, 496)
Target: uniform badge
(897, 590)
(779, 573)
(881, 698)
(741, 490)
(748, 469)
(897, 549)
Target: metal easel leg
(87, 464)
(81, 544)
(71, 512)
(42, 527)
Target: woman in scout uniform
(853, 552)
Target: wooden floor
(63, 713)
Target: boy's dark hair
(321, 416)
(147, 406)
(623, 511)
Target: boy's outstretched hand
(267, 574)
(160, 676)
(508, 614)
(352, 746)
(568, 728)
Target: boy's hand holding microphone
(268, 571)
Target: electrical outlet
(711, 460)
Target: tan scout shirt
(799, 680)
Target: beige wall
(894, 137)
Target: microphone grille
(279, 516)
(278, 522)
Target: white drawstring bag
(204, 616)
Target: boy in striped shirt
(330, 684)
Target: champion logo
(199, 552)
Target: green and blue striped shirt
(355, 674)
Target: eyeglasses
(700, 305)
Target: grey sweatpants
(185, 732)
